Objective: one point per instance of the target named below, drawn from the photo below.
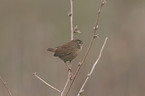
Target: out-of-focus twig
(5, 85)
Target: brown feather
(67, 51)
(51, 49)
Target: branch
(90, 45)
(70, 14)
(67, 82)
(5, 85)
(100, 54)
(36, 75)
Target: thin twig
(67, 82)
(71, 19)
(5, 85)
(72, 36)
(90, 45)
(100, 54)
(36, 75)
(70, 14)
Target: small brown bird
(67, 51)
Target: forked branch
(89, 47)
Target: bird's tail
(51, 49)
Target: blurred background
(29, 27)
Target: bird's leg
(69, 68)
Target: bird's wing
(63, 51)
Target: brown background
(29, 27)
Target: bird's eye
(79, 41)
